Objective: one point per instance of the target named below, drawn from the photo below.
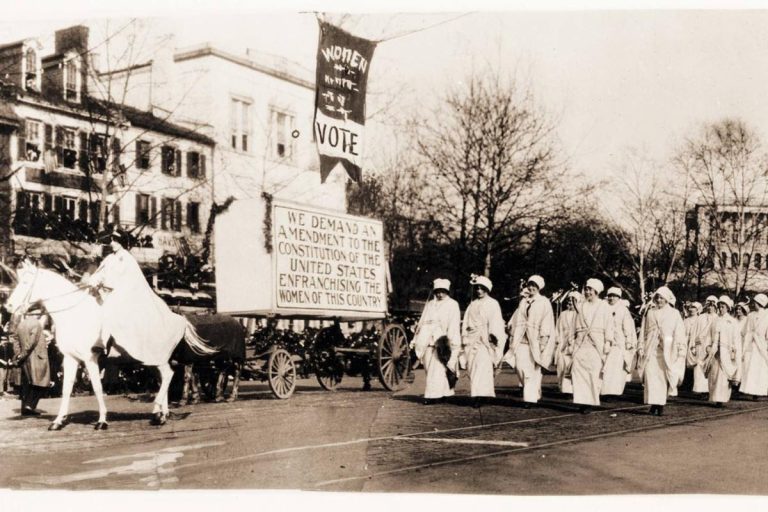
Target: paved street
(351, 440)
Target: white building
(260, 109)
(64, 153)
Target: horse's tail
(198, 345)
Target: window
(33, 142)
(758, 261)
(240, 124)
(195, 165)
(282, 139)
(142, 154)
(68, 205)
(142, 209)
(193, 216)
(66, 146)
(98, 147)
(171, 214)
(734, 260)
(72, 79)
(171, 161)
(31, 71)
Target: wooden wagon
(281, 260)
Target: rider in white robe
(619, 359)
(564, 341)
(662, 345)
(483, 338)
(754, 379)
(441, 317)
(593, 337)
(532, 341)
(139, 321)
(723, 353)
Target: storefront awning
(7, 116)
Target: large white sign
(325, 261)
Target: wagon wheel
(281, 372)
(394, 359)
(328, 369)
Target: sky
(611, 80)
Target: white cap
(724, 299)
(537, 280)
(613, 290)
(666, 294)
(743, 306)
(696, 305)
(596, 285)
(711, 298)
(441, 284)
(481, 281)
(761, 299)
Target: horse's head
(26, 291)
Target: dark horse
(227, 336)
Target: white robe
(662, 347)
(699, 339)
(618, 363)
(564, 349)
(482, 319)
(532, 343)
(723, 358)
(140, 322)
(440, 318)
(593, 333)
(754, 379)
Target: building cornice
(206, 50)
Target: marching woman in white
(564, 341)
(695, 323)
(702, 340)
(482, 339)
(441, 318)
(662, 345)
(531, 331)
(754, 380)
(593, 337)
(618, 362)
(723, 353)
(741, 312)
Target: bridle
(26, 302)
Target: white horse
(78, 319)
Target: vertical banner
(343, 61)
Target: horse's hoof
(101, 425)
(58, 425)
(218, 399)
(231, 399)
(158, 419)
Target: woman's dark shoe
(584, 409)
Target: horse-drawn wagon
(280, 260)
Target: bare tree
(494, 168)
(726, 166)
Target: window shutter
(116, 214)
(164, 153)
(117, 148)
(47, 202)
(83, 152)
(164, 213)
(190, 167)
(137, 151)
(48, 137)
(22, 199)
(22, 154)
(190, 222)
(201, 170)
(177, 216)
(59, 143)
(153, 211)
(58, 204)
(178, 162)
(82, 207)
(137, 218)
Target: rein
(26, 302)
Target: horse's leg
(92, 366)
(70, 366)
(221, 383)
(237, 366)
(160, 409)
